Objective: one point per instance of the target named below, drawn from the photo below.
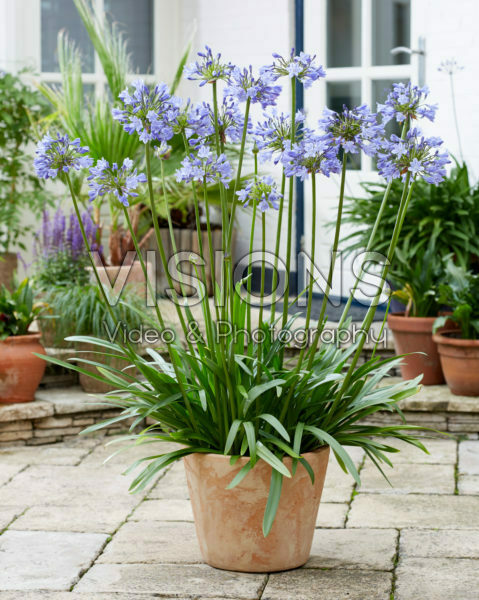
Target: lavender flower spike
(60, 154)
(121, 181)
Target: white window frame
(365, 74)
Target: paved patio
(70, 530)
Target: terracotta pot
(117, 277)
(8, 266)
(48, 330)
(229, 522)
(89, 384)
(20, 370)
(460, 363)
(413, 335)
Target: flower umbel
(150, 113)
(354, 129)
(406, 101)
(314, 154)
(263, 191)
(121, 181)
(273, 135)
(450, 66)
(302, 67)
(202, 166)
(60, 154)
(208, 69)
(243, 85)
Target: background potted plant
(459, 349)
(20, 190)
(20, 369)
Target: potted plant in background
(241, 416)
(20, 190)
(21, 370)
(459, 348)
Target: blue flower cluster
(416, 155)
(313, 154)
(243, 85)
(208, 69)
(150, 113)
(262, 191)
(272, 136)
(354, 129)
(301, 67)
(406, 101)
(203, 166)
(121, 181)
(60, 154)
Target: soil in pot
(229, 522)
(460, 362)
(413, 336)
(20, 370)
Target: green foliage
(461, 292)
(60, 270)
(17, 310)
(20, 108)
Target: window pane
(344, 33)
(345, 93)
(57, 15)
(135, 19)
(381, 89)
(391, 28)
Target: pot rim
(440, 338)
(22, 339)
(243, 459)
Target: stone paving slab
(419, 511)
(45, 560)
(173, 580)
(8, 471)
(370, 549)
(172, 485)
(153, 542)
(469, 458)
(8, 513)
(332, 515)
(68, 453)
(163, 510)
(69, 400)
(88, 596)
(439, 544)
(408, 479)
(314, 584)
(468, 484)
(441, 451)
(437, 579)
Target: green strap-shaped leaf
(273, 501)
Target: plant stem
(279, 225)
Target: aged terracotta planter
(413, 335)
(460, 363)
(229, 522)
(20, 370)
(8, 266)
(117, 277)
(89, 384)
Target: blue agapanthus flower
(354, 129)
(272, 135)
(59, 154)
(262, 191)
(317, 154)
(407, 101)
(150, 113)
(302, 67)
(208, 69)
(121, 181)
(203, 166)
(416, 154)
(243, 85)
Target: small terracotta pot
(91, 385)
(20, 370)
(8, 266)
(117, 277)
(229, 523)
(411, 336)
(460, 363)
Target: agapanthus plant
(59, 154)
(121, 181)
(235, 393)
(407, 101)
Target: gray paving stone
(361, 549)
(172, 485)
(440, 452)
(419, 511)
(468, 484)
(439, 544)
(8, 513)
(153, 542)
(69, 453)
(163, 510)
(25, 410)
(105, 518)
(8, 471)
(309, 584)
(173, 580)
(408, 479)
(338, 485)
(125, 453)
(39, 595)
(71, 400)
(437, 578)
(331, 515)
(45, 560)
(469, 458)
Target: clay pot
(117, 277)
(414, 335)
(20, 370)
(229, 522)
(8, 266)
(460, 363)
(89, 384)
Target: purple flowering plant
(236, 394)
